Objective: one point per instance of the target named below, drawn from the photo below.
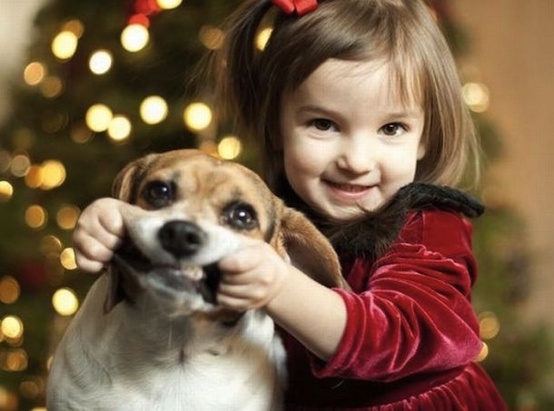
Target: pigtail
(236, 66)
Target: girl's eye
(322, 124)
(393, 129)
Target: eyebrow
(408, 113)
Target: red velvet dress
(411, 336)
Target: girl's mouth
(349, 192)
(349, 188)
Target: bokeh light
(9, 290)
(12, 327)
(36, 216)
(263, 37)
(34, 73)
(6, 191)
(67, 259)
(53, 174)
(64, 45)
(65, 302)
(211, 37)
(153, 110)
(134, 37)
(169, 4)
(67, 216)
(476, 96)
(20, 165)
(98, 117)
(100, 62)
(489, 325)
(229, 147)
(197, 116)
(120, 128)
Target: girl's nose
(358, 156)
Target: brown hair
(403, 32)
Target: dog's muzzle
(181, 239)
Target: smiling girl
(357, 108)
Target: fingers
(98, 233)
(251, 276)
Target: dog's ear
(114, 295)
(125, 184)
(309, 250)
(123, 285)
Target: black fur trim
(372, 235)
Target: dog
(149, 334)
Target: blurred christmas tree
(107, 81)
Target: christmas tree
(107, 81)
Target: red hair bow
(300, 6)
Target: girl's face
(349, 143)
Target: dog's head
(193, 209)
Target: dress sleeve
(410, 311)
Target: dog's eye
(240, 216)
(158, 194)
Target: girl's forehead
(380, 78)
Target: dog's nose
(181, 238)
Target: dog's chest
(234, 368)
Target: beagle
(150, 335)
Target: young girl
(358, 106)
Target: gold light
(51, 87)
(134, 37)
(153, 110)
(483, 354)
(211, 37)
(6, 191)
(36, 216)
(263, 37)
(74, 26)
(67, 217)
(64, 45)
(67, 259)
(50, 246)
(169, 4)
(33, 178)
(12, 327)
(20, 165)
(34, 73)
(229, 147)
(197, 116)
(489, 325)
(119, 128)
(65, 302)
(15, 360)
(476, 96)
(100, 62)
(53, 174)
(9, 290)
(98, 117)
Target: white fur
(162, 353)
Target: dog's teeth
(193, 272)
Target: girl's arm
(98, 233)
(256, 276)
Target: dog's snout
(181, 238)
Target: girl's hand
(252, 276)
(98, 233)
(256, 276)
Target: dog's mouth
(203, 280)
